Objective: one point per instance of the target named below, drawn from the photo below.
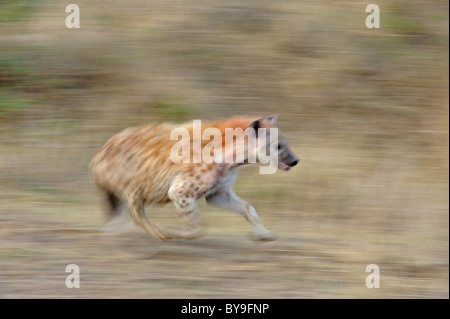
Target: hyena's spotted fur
(134, 167)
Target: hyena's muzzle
(286, 159)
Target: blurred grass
(365, 110)
(15, 10)
(9, 103)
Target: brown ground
(365, 110)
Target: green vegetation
(15, 10)
(365, 110)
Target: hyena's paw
(159, 236)
(186, 233)
(263, 236)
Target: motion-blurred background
(365, 109)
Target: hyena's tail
(114, 204)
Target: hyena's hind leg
(137, 210)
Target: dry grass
(366, 110)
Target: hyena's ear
(262, 123)
(272, 119)
(255, 125)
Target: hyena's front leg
(184, 201)
(229, 200)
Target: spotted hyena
(135, 167)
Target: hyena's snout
(292, 160)
(288, 161)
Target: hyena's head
(271, 145)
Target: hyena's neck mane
(233, 123)
(238, 122)
(229, 144)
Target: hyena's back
(136, 160)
